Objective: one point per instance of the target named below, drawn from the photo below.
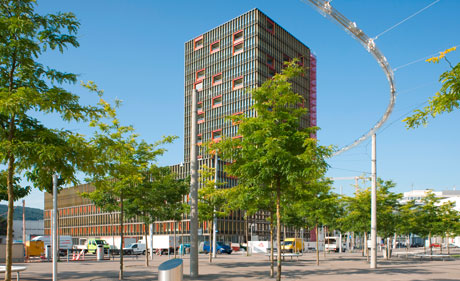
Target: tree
(2, 226)
(28, 87)
(428, 217)
(449, 221)
(211, 200)
(160, 196)
(120, 163)
(407, 223)
(274, 153)
(446, 100)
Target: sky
(134, 51)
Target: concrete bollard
(171, 270)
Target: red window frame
(202, 120)
(211, 51)
(215, 131)
(286, 58)
(236, 113)
(237, 87)
(214, 78)
(239, 51)
(237, 137)
(199, 71)
(196, 83)
(217, 105)
(195, 41)
(239, 39)
(270, 22)
(271, 65)
(199, 111)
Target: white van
(135, 249)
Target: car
(451, 245)
(220, 248)
(435, 245)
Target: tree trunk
(278, 229)
(246, 232)
(317, 244)
(120, 275)
(272, 271)
(146, 246)
(429, 244)
(210, 240)
(388, 248)
(448, 248)
(365, 246)
(9, 183)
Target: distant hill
(32, 214)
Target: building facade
(223, 65)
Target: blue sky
(134, 50)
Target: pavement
(238, 266)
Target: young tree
(211, 200)
(428, 217)
(407, 223)
(18, 191)
(27, 87)
(120, 163)
(446, 100)
(274, 153)
(449, 221)
(160, 196)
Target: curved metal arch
(325, 8)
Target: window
(199, 107)
(215, 47)
(200, 118)
(199, 139)
(270, 26)
(217, 79)
(217, 101)
(238, 48)
(286, 59)
(198, 43)
(217, 134)
(271, 72)
(238, 36)
(199, 86)
(270, 61)
(236, 114)
(237, 83)
(200, 74)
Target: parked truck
(162, 243)
(292, 245)
(65, 242)
(332, 244)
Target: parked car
(135, 249)
(220, 248)
(435, 245)
(416, 244)
(452, 245)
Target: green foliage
(358, 210)
(446, 100)
(28, 88)
(160, 196)
(211, 198)
(427, 216)
(449, 219)
(18, 190)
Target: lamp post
(193, 191)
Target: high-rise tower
(224, 63)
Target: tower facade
(225, 63)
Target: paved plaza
(346, 266)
